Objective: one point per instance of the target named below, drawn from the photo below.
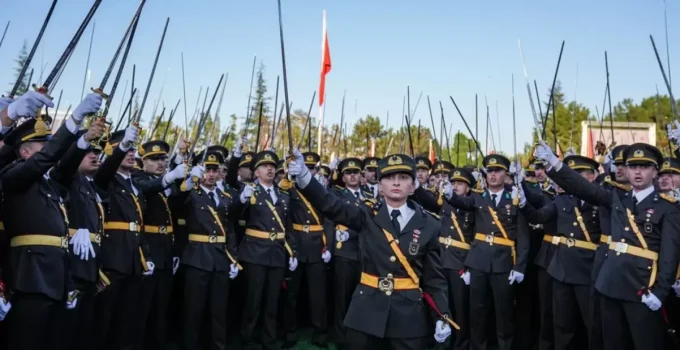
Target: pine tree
(20, 61)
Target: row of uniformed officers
(92, 250)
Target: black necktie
(356, 194)
(395, 214)
(212, 199)
(493, 198)
(635, 202)
(269, 192)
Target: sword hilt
(100, 92)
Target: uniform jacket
(85, 210)
(260, 217)
(122, 250)
(311, 244)
(403, 313)
(570, 264)
(623, 275)
(540, 251)
(452, 257)
(495, 258)
(157, 214)
(201, 221)
(350, 248)
(33, 205)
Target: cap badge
(373, 162)
(156, 148)
(310, 158)
(395, 160)
(212, 158)
(639, 153)
(267, 156)
(456, 173)
(572, 163)
(666, 165)
(351, 163)
(493, 161)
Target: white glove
(442, 331)
(292, 263)
(652, 302)
(197, 171)
(676, 288)
(247, 193)
(27, 105)
(326, 256)
(477, 175)
(447, 189)
(233, 271)
(341, 236)
(131, 136)
(4, 102)
(543, 152)
(72, 300)
(175, 174)
(513, 168)
(673, 133)
(238, 149)
(466, 277)
(334, 163)
(522, 197)
(519, 175)
(82, 246)
(297, 168)
(516, 277)
(150, 266)
(175, 264)
(89, 106)
(5, 306)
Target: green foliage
(20, 61)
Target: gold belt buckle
(212, 239)
(97, 238)
(386, 284)
(272, 236)
(571, 242)
(556, 240)
(162, 230)
(489, 239)
(305, 228)
(447, 241)
(621, 248)
(133, 227)
(64, 242)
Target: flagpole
(325, 68)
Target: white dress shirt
(374, 189)
(361, 195)
(641, 195)
(216, 199)
(271, 190)
(405, 217)
(498, 195)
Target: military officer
(209, 258)
(640, 266)
(86, 227)
(312, 255)
(457, 231)
(498, 256)
(575, 243)
(157, 185)
(370, 166)
(124, 250)
(346, 263)
(241, 164)
(280, 172)
(387, 309)
(441, 170)
(35, 218)
(266, 250)
(423, 167)
(669, 175)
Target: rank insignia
(413, 248)
(648, 227)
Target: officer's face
(351, 178)
(223, 172)
(90, 163)
(621, 174)
(422, 175)
(397, 187)
(370, 176)
(363, 180)
(279, 177)
(666, 182)
(461, 188)
(129, 161)
(155, 165)
(265, 173)
(640, 176)
(588, 175)
(432, 181)
(245, 174)
(495, 177)
(210, 176)
(540, 175)
(313, 170)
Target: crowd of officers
(107, 243)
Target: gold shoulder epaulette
(616, 184)
(285, 184)
(668, 197)
(477, 190)
(530, 181)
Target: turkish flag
(325, 62)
